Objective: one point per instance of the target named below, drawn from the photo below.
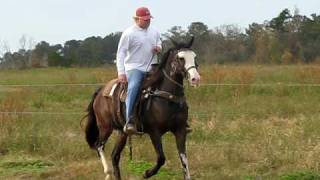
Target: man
(137, 50)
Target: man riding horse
(137, 50)
(164, 108)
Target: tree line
(285, 39)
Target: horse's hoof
(147, 174)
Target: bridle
(173, 70)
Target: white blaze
(189, 57)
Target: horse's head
(184, 62)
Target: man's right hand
(122, 78)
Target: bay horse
(166, 110)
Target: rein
(175, 82)
(172, 80)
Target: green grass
(35, 166)
(240, 132)
(300, 176)
(138, 168)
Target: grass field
(265, 127)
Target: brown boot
(130, 127)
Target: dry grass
(309, 74)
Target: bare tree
(23, 42)
(1, 50)
(5, 47)
(31, 44)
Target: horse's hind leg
(157, 144)
(105, 130)
(181, 145)
(106, 169)
(119, 145)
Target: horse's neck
(168, 86)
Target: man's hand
(122, 78)
(156, 50)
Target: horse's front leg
(119, 145)
(181, 145)
(157, 144)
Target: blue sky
(57, 21)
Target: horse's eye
(181, 58)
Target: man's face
(144, 24)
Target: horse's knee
(161, 160)
(115, 158)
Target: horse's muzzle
(195, 81)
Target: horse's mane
(157, 73)
(165, 58)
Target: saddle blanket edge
(111, 90)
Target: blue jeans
(135, 79)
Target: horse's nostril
(193, 79)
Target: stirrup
(132, 130)
(129, 129)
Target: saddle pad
(112, 89)
(109, 88)
(123, 92)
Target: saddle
(117, 92)
(110, 90)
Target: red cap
(143, 13)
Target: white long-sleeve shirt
(135, 49)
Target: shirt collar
(139, 28)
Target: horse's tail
(92, 131)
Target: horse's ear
(190, 42)
(173, 42)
